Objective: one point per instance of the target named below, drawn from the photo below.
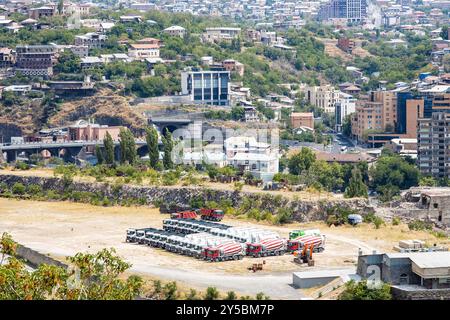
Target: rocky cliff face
(302, 210)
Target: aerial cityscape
(224, 150)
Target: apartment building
(302, 119)
(93, 40)
(346, 44)
(248, 154)
(220, 34)
(352, 11)
(233, 65)
(35, 60)
(175, 31)
(6, 58)
(345, 106)
(68, 8)
(89, 131)
(323, 97)
(434, 145)
(142, 51)
(209, 87)
(41, 12)
(375, 114)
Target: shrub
(192, 295)
(238, 186)
(170, 178)
(197, 202)
(53, 195)
(231, 295)
(170, 291)
(254, 214)
(395, 221)
(18, 188)
(3, 187)
(261, 296)
(420, 225)
(20, 165)
(283, 216)
(361, 291)
(338, 215)
(211, 293)
(378, 222)
(34, 190)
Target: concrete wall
(303, 210)
(35, 259)
(304, 283)
(427, 294)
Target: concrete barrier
(35, 259)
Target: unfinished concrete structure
(414, 275)
(427, 203)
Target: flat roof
(439, 259)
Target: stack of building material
(410, 245)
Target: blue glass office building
(209, 87)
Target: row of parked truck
(219, 242)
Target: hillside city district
(283, 147)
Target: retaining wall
(303, 210)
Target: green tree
(128, 152)
(60, 6)
(237, 113)
(347, 126)
(99, 155)
(428, 181)
(68, 62)
(108, 144)
(301, 161)
(95, 276)
(167, 147)
(362, 291)
(356, 186)
(395, 171)
(151, 137)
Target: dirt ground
(63, 228)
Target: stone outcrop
(302, 210)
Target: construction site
(246, 256)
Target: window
(435, 205)
(404, 279)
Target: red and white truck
(211, 214)
(267, 247)
(224, 252)
(317, 241)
